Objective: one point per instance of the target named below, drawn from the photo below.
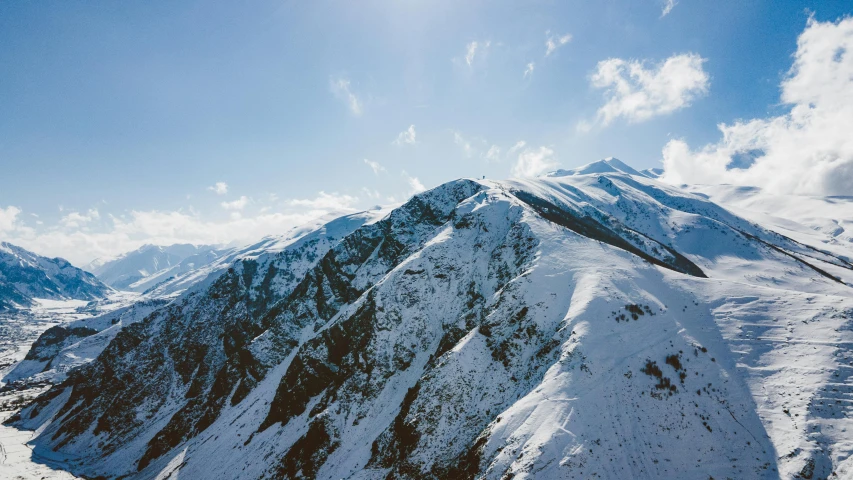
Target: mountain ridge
(573, 325)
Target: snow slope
(600, 325)
(827, 220)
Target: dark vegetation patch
(635, 311)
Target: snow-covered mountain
(149, 265)
(586, 325)
(62, 348)
(25, 275)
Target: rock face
(590, 326)
(25, 276)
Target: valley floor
(17, 460)
(18, 331)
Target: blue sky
(115, 114)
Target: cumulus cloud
(809, 149)
(637, 91)
(375, 166)
(77, 219)
(534, 161)
(238, 204)
(406, 136)
(9, 218)
(219, 188)
(668, 5)
(554, 42)
(341, 89)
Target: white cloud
(375, 166)
(220, 188)
(518, 146)
(494, 153)
(529, 69)
(668, 5)
(534, 161)
(808, 150)
(123, 233)
(77, 219)
(637, 93)
(414, 184)
(372, 194)
(238, 204)
(554, 42)
(475, 50)
(341, 89)
(327, 201)
(406, 136)
(9, 218)
(458, 139)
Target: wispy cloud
(474, 51)
(463, 143)
(805, 151)
(668, 5)
(518, 146)
(407, 136)
(220, 188)
(553, 42)
(326, 201)
(415, 185)
(236, 205)
(493, 154)
(637, 91)
(375, 166)
(341, 88)
(529, 70)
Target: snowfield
(594, 323)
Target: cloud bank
(809, 149)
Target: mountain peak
(606, 165)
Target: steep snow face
(152, 264)
(598, 325)
(25, 276)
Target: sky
(125, 123)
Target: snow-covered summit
(607, 165)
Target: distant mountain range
(592, 323)
(25, 276)
(149, 265)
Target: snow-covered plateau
(592, 323)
